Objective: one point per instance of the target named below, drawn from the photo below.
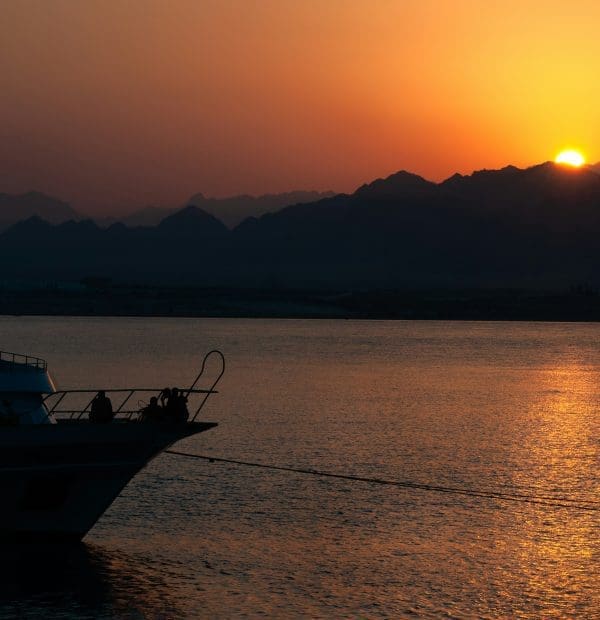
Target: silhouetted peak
(506, 178)
(117, 227)
(546, 166)
(561, 174)
(83, 226)
(192, 219)
(16, 207)
(454, 181)
(32, 224)
(553, 168)
(187, 214)
(35, 220)
(232, 210)
(504, 173)
(535, 185)
(595, 168)
(33, 196)
(402, 182)
(248, 225)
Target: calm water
(499, 406)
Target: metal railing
(77, 404)
(24, 360)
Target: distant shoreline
(179, 302)
(304, 318)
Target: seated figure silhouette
(101, 411)
(177, 406)
(152, 412)
(165, 395)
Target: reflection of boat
(58, 471)
(82, 581)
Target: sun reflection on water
(560, 450)
(496, 406)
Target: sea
(487, 408)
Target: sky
(117, 104)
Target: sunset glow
(570, 157)
(167, 99)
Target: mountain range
(17, 207)
(231, 210)
(234, 210)
(533, 227)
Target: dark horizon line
(579, 304)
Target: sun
(570, 157)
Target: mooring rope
(542, 500)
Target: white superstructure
(24, 380)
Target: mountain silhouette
(147, 216)
(192, 221)
(18, 207)
(594, 167)
(511, 227)
(235, 209)
(231, 211)
(536, 227)
(401, 183)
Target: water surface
(497, 406)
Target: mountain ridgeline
(231, 211)
(235, 209)
(537, 228)
(17, 207)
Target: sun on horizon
(570, 157)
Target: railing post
(86, 407)
(131, 393)
(58, 400)
(27, 360)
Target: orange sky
(115, 104)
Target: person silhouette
(178, 410)
(101, 411)
(165, 395)
(152, 412)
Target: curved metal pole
(210, 391)
(204, 364)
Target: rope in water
(542, 500)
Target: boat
(61, 470)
